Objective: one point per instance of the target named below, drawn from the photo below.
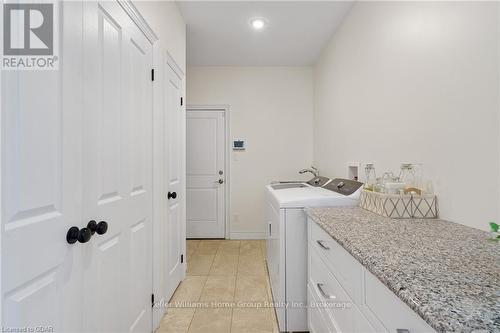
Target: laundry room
(250, 166)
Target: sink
(282, 186)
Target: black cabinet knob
(102, 227)
(171, 195)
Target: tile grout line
(266, 274)
(234, 293)
(203, 288)
(271, 314)
(198, 300)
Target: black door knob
(92, 225)
(171, 195)
(81, 235)
(102, 227)
(84, 235)
(72, 235)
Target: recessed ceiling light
(258, 23)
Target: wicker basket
(400, 206)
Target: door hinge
(152, 74)
(182, 258)
(152, 300)
(182, 101)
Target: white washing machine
(287, 241)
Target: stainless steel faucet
(313, 170)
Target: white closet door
(117, 171)
(40, 187)
(174, 225)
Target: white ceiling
(219, 33)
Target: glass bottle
(407, 176)
(371, 177)
(418, 174)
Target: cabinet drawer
(347, 270)
(316, 321)
(393, 313)
(338, 306)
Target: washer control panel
(343, 186)
(319, 181)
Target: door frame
(227, 161)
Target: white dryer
(287, 241)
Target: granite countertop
(446, 272)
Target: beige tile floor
(226, 290)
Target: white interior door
(117, 171)
(174, 225)
(40, 188)
(205, 207)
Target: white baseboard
(248, 235)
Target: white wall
(416, 81)
(166, 20)
(271, 108)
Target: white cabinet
(316, 315)
(347, 270)
(339, 309)
(389, 309)
(345, 297)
